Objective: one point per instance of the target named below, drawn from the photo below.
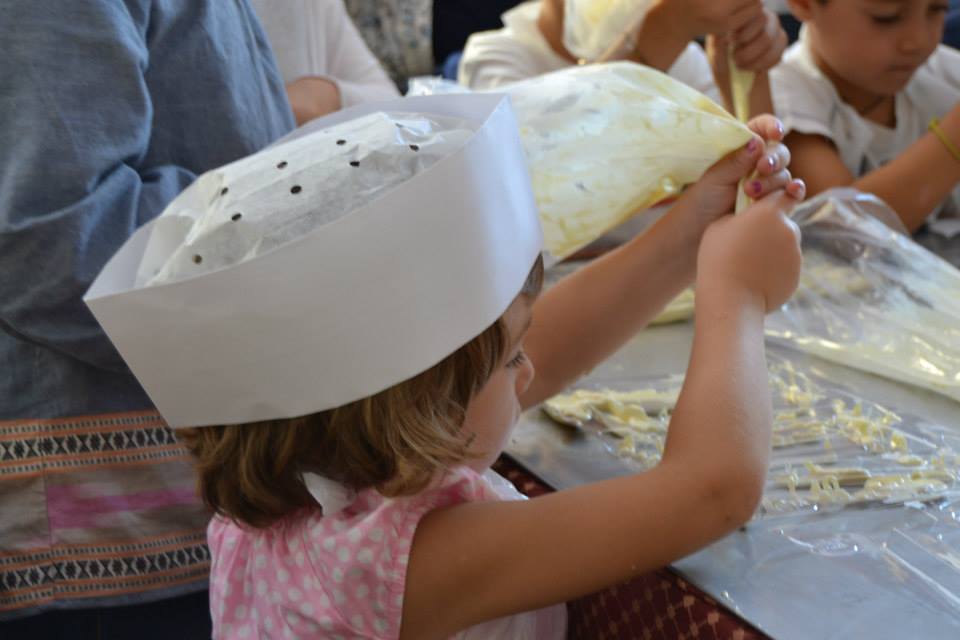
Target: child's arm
(588, 315)
(480, 561)
(913, 184)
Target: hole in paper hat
(296, 189)
(281, 164)
(354, 163)
(197, 259)
(341, 142)
(415, 147)
(223, 191)
(236, 216)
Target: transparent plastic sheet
(592, 27)
(831, 448)
(871, 298)
(604, 141)
(888, 556)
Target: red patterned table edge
(659, 604)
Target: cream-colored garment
(519, 51)
(317, 38)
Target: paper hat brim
(348, 310)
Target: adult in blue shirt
(108, 109)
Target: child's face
(494, 409)
(874, 46)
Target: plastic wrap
(831, 448)
(607, 140)
(591, 27)
(871, 298)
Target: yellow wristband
(936, 130)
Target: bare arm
(568, 337)
(914, 184)
(467, 565)
(588, 315)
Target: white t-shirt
(317, 38)
(807, 102)
(519, 51)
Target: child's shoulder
(803, 98)
(797, 72)
(942, 67)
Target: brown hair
(395, 440)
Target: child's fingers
(742, 16)
(767, 127)
(761, 54)
(749, 32)
(762, 185)
(781, 201)
(734, 166)
(748, 55)
(797, 189)
(775, 158)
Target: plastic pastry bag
(604, 141)
(871, 298)
(591, 27)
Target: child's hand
(702, 17)
(758, 46)
(757, 250)
(765, 158)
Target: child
(531, 44)
(859, 94)
(351, 387)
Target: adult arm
(75, 125)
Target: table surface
(856, 573)
(946, 248)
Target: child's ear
(802, 10)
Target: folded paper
(378, 289)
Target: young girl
(871, 99)
(374, 516)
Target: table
(807, 577)
(946, 248)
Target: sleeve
(693, 69)
(495, 58)
(75, 121)
(803, 103)
(944, 64)
(353, 67)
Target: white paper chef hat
(367, 287)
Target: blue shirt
(108, 109)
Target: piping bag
(740, 84)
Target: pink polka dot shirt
(343, 576)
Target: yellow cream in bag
(604, 141)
